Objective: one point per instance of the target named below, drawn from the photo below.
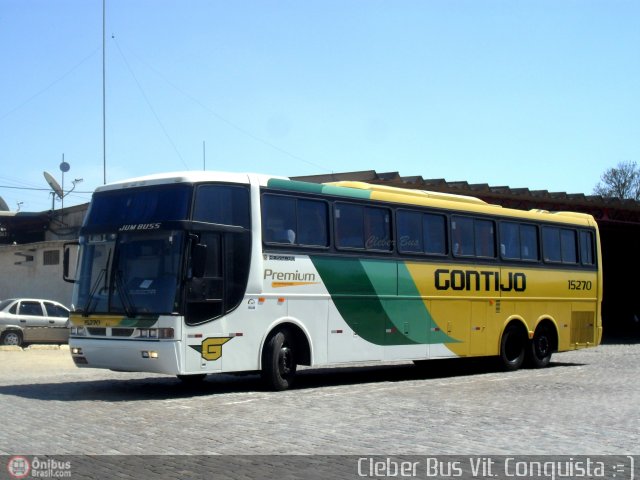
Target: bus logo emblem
(211, 348)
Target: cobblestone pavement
(586, 402)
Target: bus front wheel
(279, 361)
(513, 347)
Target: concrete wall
(34, 270)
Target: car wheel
(12, 337)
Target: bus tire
(541, 347)
(513, 347)
(279, 361)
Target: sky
(540, 94)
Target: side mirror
(70, 255)
(198, 260)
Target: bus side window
(434, 228)
(410, 236)
(551, 244)
(485, 238)
(586, 248)
(510, 240)
(279, 219)
(312, 223)
(463, 236)
(223, 204)
(377, 223)
(560, 245)
(568, 246)
(349, 226)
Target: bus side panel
(566, 297)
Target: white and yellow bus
(198, 273)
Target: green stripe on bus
(365, 293)
(306, 187)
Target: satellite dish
(53, 183)
(3, 205)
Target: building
(31, 252)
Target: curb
(10, 348)
(15, 348)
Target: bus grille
(121, 332)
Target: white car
(29, 320)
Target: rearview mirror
(198, 260)
(70, 257)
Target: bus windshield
(132, 273)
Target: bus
(196, 273)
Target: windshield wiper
(102, 275)
(94, 288)
(125, 299)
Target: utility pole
(104, 95)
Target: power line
(228, 122)
(37, 189)
(50, 85)
(146, 99)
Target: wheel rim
(285, 361)
(11, 339)
(542, 345)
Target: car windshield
(131, 273)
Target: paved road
(587, 402)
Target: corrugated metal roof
(602, 208)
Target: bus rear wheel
(513, 347)
(279, 361)
(541, 347)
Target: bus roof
(354, 189)
(186, 177)
(460, 202)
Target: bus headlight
(78, 331)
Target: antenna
(53, 183)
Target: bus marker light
(145, 354)
(261, 300)
(281, 300)
(76, 351)
(236, 334)
(166, 333)
(153, 354)
(336, 331)
(435, 329)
